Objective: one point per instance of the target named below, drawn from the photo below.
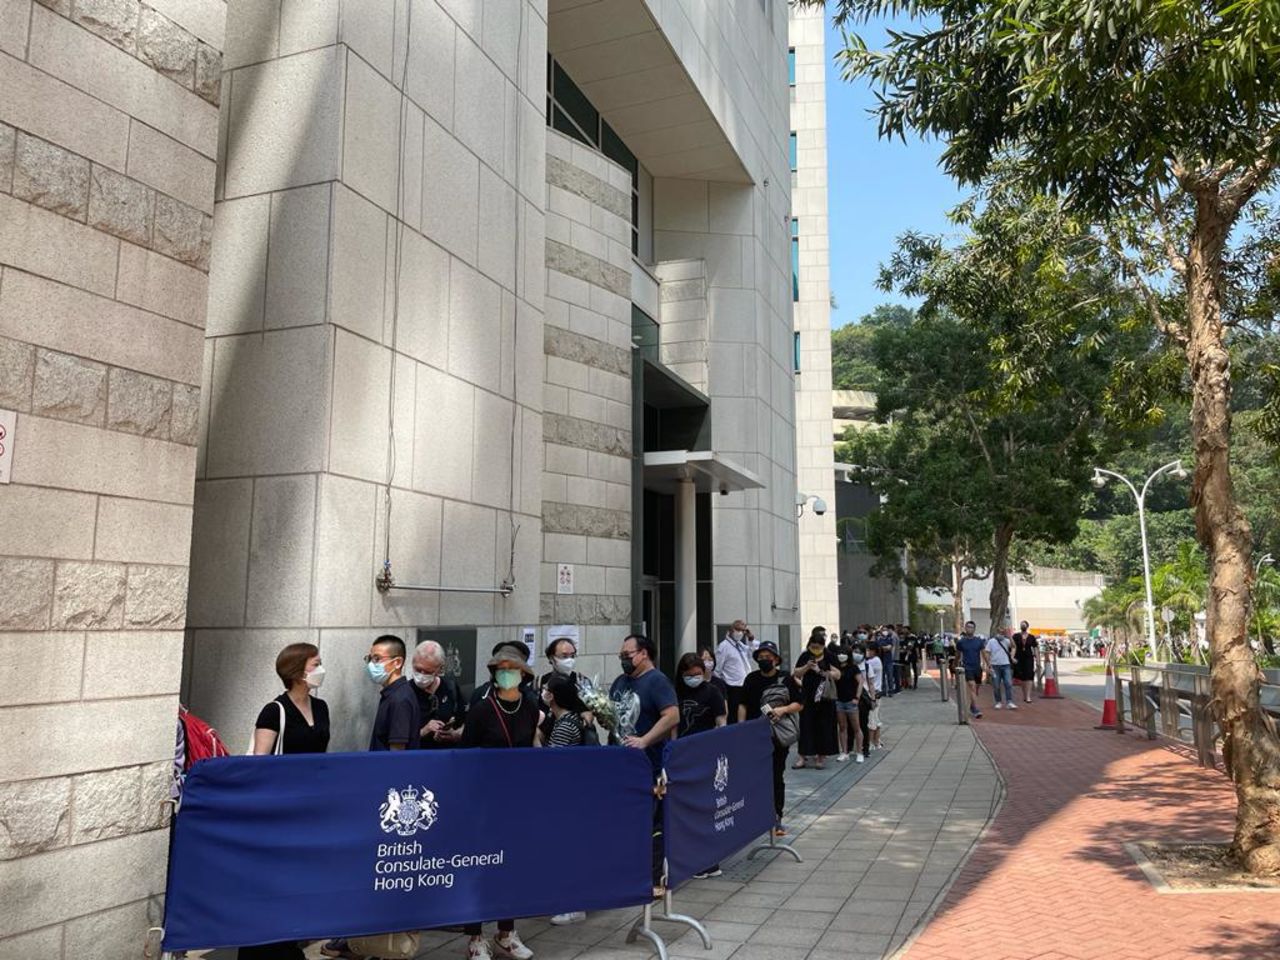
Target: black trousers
(864, 713)
(475, 929)
(779, 777)
(289, 950)
(733, 701)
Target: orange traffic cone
(1108, 703)
(1051, 679)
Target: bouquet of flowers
(599, 704)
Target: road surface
(1087, 688)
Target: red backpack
(202, 741)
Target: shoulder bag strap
(279, 750)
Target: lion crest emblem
(407, 811)
(721, 780)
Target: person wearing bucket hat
(482, 690)
(506, 717)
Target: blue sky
(878, 189)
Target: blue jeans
(1002, 678)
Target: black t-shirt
(445, 704)
(847, 685)
(299, 736)
(756, 684)
(809, 684)
(699, 707)
(489, 724)
(398, 720)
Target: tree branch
(1169, 328)
(1241, 189)
(1176, 259)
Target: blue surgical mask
(506, 679)
(693, 682)
(377, 672)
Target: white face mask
(315, 677)
(564, 666)
(843, 658)
(427, 681)
(708, 665)
(737, 634)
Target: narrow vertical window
(795, 260)
(791, 66)
(796, 349)
(794, 152)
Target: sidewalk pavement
(1051, 880)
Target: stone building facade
(467, 319)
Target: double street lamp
(1099, 481)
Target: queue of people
(826, 705)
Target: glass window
(795, 260)
(791, 66)
(794, 152)
(645, 333)
(796, 348)
(575, 105)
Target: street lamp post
(1099, 480)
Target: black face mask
(767, 665)
(628, 664)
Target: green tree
(852, 365)
(1024, 362)
(1164, 114)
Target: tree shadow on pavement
(1258, 942)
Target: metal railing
(1175, 700)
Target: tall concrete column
(686, 566)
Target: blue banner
(311, 846)
(719, 796)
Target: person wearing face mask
(440, 704)
(306, 730)
(768, 692)
(396, 726)
(865, 699)
(505, 718)
(702, 706)
(306, 717)
(817, 676)
(846, 701)
(1024, 659)
(398, 722)
(709, 672)
(733, 663)
(645, 704)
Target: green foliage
(852, 364)
(1104, 102)
(1024, 366)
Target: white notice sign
(564, 578)
(8, 419)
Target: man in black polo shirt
(397, 724)
(440, 700)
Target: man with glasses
(440, 702)
(399, 719)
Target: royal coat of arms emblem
(407, 811)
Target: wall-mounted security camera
(819, 506)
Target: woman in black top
(846, 698)
(814, 671)
(504, 718)
(306, 730)
(709, 673)
(306, 718)
(1024, 660)
(566, 709)
(702, 705)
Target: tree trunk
(957, 595)
(1000, 577)
(1250, 747)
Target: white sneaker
(859, 758)
(999, 706)
(1012, 705)
(564, 919)
(511, 947)
(841, 757)
(479, 950)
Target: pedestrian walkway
(1051, 879)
